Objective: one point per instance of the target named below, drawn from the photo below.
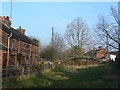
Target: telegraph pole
(11, 11)
(52, 37)
(52, 44)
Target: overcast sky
(39, 17)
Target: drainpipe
(18, 45)
(18, 66)
(8, 55)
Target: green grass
(103, 76)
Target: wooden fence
(16, 72)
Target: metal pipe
(18, 45)
(8, 49)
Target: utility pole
(52, 44)
(52, 37)
(11, 11)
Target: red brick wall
(4, 37)
(16, 46)
(101, 53)
(0, 35)
(1, 60)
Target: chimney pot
(6, 20)
(19, 27)
(21, 30)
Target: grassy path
(103, 76)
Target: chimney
(100, 47)
(6, 20)
(21, 30)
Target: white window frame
(23, 45)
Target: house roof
(92, 51)
(16, 34)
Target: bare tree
(109, 30)
(57, 44)
(55, 48)
(77, 34)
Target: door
(4, 61)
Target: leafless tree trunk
(111, 29)
(77, 34)
(55, 48)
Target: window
(24, 45)
(12, 60)
(12, 44)
(27, 60)
(29, 47)
(31, 60)
(23, 60)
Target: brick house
(16, 49)
(97, 53)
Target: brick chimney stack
(21, 30)
(6, 20)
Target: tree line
(78, 39)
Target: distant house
(97, 52)
(14, 45)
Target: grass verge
(103, 76)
